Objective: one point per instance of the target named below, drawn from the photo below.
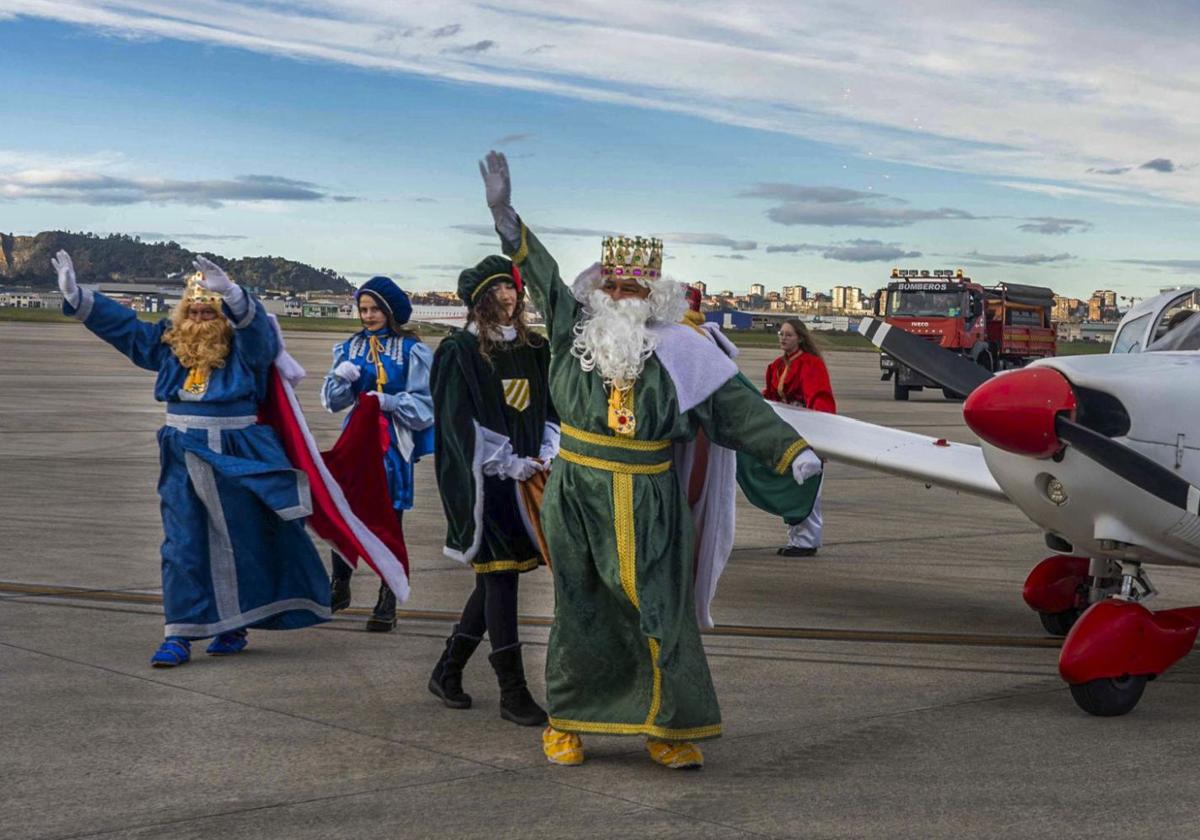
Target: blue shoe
(174, 651)
(228, 644)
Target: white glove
(806, 465)
(498, 187)
(519, 469)
(496, 181)
(66, 277)
(213, 277)
(347, 371)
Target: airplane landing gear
(1060, 588)
(1118, 645)
(1109, 697)
(1060, 623)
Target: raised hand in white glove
(66, 277)
(519, 469)
(496, 181)
(498, 186)
(213, 276)
(806, 465)
(347, 371)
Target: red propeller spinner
(1015, 411)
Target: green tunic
(508, 396)
(625, 656)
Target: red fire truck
(1001, 327)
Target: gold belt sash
(619, 446)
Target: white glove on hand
(347, 371)
(213, 277)
(66, 277)
(498, 187)
(519, 469)
(806, 465)
(496, 181)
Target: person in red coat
(799, 377)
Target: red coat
(800, 379)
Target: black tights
(492, 607)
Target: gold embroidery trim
(790, 454)
(610, 440)
(663, 732)
(505, 566)
(614, 466)
(523, 251)
(626, 540)
(479, 288)
(656, 686)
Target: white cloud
(1017, 89)
(86, 186)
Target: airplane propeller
(954, 372)
(1032, 411)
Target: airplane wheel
(1060, 623)
(899, 392)
(1109, 697)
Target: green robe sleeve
(737, 417)
(553, 298)
(458, 457)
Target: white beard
(614, 336)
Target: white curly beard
(614, 336)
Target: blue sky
(763, 142)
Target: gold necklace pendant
(621, 419)
(197, 380)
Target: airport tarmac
(893, 686)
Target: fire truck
(1000, 327)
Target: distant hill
(25, 260)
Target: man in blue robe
(235, 553)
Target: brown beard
(203, 344)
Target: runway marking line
(913, 637)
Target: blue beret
(390, 297)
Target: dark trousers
(492, 607)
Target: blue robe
(235, 552)
(409, 403)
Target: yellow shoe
(564, 748)
(678, 755)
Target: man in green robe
(628, 381)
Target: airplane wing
(955, 466)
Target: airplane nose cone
(1015, 411)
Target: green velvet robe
(625, 656)
(510, 397)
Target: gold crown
(197, 293)
(631, 256)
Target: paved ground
(330, 732)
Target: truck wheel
(1109, 697)
(899, 392)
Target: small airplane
(1101, 452)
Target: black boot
(339, 585)
(383, 617)
(516, 703)
(446, 680)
